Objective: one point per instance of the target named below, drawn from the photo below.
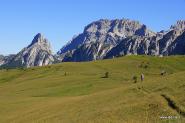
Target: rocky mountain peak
(180, 25)
(120, 27)
(103, 39)
(38, 53)
(39, 41)
(108, 38)
(108, 32)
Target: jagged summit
(180, 25)
(122, 27)
(103, 39)
(108, 38)
(38, 53)
(39, 39)
(108, 32)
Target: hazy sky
(60, 20)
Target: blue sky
(60, 20)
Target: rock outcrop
(6, 59)
(168, 39)
(2, 60)
(111, 38)
(101, 40)
(170, 42)
(135, 45)
(38, 53)
(100, 37)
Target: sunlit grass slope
(79, 93)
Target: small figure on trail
(142, 77)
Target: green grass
(46, 95)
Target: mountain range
(103, 39)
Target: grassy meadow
(79, 92)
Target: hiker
(142, 77)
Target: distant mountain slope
(109, 38)
(178, 46)
(168, 39)
(103, 39)
(101, 36)
(1, 59)
(170, 42)
(5, 59)
(135, 45)
(38, 53)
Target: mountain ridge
(38, 53)
(103, 39)
(102, 36)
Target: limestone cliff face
(168, 41)
(111, 38)
(135, 45)
(100, 37)
(5, 59)
(100, 40)
(2, 60)
(38, 53)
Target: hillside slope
(78, 92)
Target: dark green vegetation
(84, 92)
